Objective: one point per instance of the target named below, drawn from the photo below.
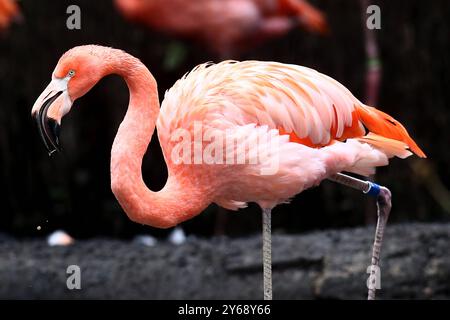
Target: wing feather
(281, 96)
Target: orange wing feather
(310, 107)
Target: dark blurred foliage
(72, 190)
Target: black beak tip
(49, 128)
(55, 129)
(52, 130)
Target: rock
(321, 265)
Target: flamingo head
(78, 70)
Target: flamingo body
(8, 11)
(224, 26)
(307, 113)
(302, 124)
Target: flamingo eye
(71, 73)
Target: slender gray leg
(267, 253)
(384, 206)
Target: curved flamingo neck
(177, 201)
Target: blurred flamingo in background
(302, 124)
(225, 27)
(9, 10)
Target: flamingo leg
(267, 253)
(384, 206)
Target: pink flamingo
(225, 27)
(300, 125)
(8, 11)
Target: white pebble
(145, 240)
(177, 236)
(59, 238)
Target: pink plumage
(292, 126)
(225, 27)
(9, 10)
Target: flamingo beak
(48, 128)
(49, 108)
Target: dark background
(72, 190)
